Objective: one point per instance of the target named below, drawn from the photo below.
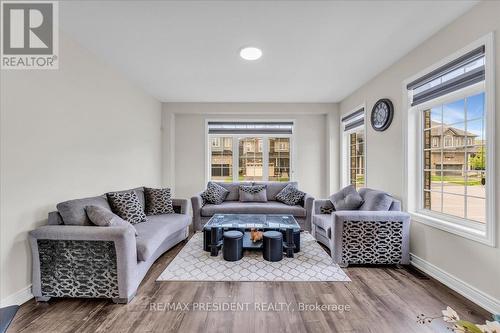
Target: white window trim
(412, 123)
(236, 151)
(344, 143)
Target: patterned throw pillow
(290, 195)
(253, 193)
(127, 206)
(158, 201)
(103, 217)
(214, 194)
(325, 210)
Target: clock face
(382, 114)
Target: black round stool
(232, 248)
(273, 246)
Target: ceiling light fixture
(250, 53)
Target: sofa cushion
(233, 189)
(103, 217)
(324, 221)
(127, 206)
(290, 195)
(346, 199)
(253, 193)
(273, 188)
(375, 200)
(158, 201)
(236, 207)
(73, 211)
(214, 194)
(158, 228)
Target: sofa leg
(118, 300)
(42, 298)
(343, 264)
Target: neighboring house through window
(253, 151)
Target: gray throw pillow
(253, 193)
(73, 211)
(346, 199)
(102, 217)
(290, 195)
(214, 194)
(376, 201)
(127, 206)
(158, 201)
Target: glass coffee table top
(248, 221)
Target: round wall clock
(382, 114)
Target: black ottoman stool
(273, 246)
(232, 248)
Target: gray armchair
(363, 236)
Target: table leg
(290, 244)
(214, 241)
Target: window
(354, 149)
(455, 175)
(221, 158)
(448, 141)
(252, 151)
(435, 142)
(250, 165)
(449, 185)
(279, 159)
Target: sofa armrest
(396, 229)
(359, 215)
(318, 203)
(91, 249)
(196, 204)
(181, 206)
(308, 205)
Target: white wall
(78, 131)
(311, 146)
(475, 264)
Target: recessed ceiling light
(250, 53)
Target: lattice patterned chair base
(363, 237)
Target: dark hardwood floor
(381, 299)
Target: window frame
(413, 145)
(236, 152)
(345, 147)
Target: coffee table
(286, 224)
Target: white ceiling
(314, 51)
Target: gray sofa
(83, 260)
(364, 236)
(232, 205)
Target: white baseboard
(17, 298)
(485, 301)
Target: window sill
(481, 236)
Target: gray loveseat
(73, 258)
(232, 205)
(364, 236)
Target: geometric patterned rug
(312, 263)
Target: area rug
(312, 263)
